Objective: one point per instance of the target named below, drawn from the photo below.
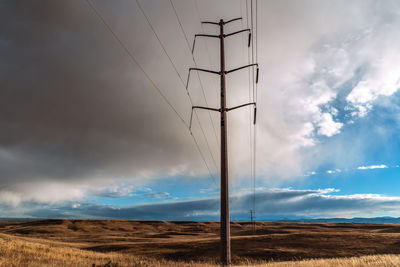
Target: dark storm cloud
(72, 105)
(76, 114)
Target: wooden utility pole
(225, 229)
(224, 209)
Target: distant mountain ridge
(346, 220)
(310, 220)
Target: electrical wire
(132, 57)
(203, 158)
(137, 63)
(246, 16)
(206, 45)
(250, 100)
(180, 78)
(243, 27)
(255, 126)
(202, 29)
(253, 27)
(256, 42)
(195, 63)
(252, 45)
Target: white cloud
(10, 198)
(333, 171)
(327, 190)
(45, 193)
(382, 166)
(327, 126)
(382, 71)
(310, 173)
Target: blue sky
(375, 174)
(85, 133)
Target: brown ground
(199, 240)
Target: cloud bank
(271, 204)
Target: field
(164, 243)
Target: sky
(84, 133)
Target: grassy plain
(160, 243)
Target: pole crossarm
(198, 69)
(202, 35)
(219, 36)
(221, 21)
(240, 106)
(200, 107)
(213, 109)
(229, 71)
(210, 22)
(233, 33)
(206, 35)
(248, 104)
(250, 65)
(232, 20)
(205, 70)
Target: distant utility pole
(253, 221)
(225, 226)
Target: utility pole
(224, 208)
(225, 222)
(252, 219)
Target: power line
(256, 42)
(132, 57)
(202, 29)
(204, 160)
(252, 45)
(250, 100)
(180, 78)
(195, 63)
(254, 87)
(206, 45)
(137, 63)
(254, 130)
(255, 126)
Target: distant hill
(200, 241)
(276, 219)
(345, 220)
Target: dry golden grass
(367, 261)
(15, 251)
(199, 241)
(18, 252)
